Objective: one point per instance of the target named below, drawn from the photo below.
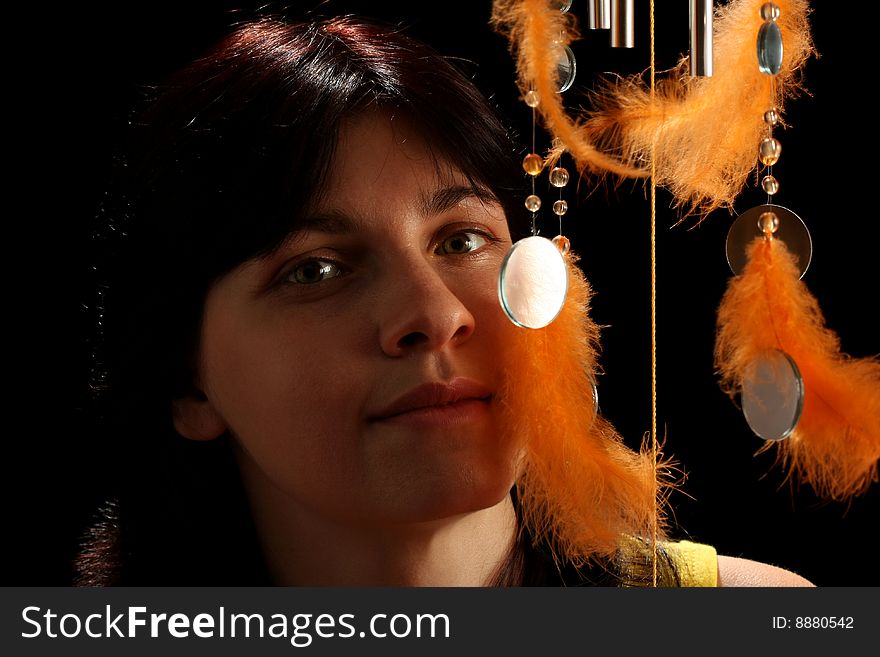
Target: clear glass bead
(769, 48)
(557, 144)
(768, 222)
(769, 151)
(769, 11)
(533, 163)
(531, 98)
(560, 207)
(562, 243)
(558, 177)
(566, 68)
(770, 185)
(771, 117)
(533, 203)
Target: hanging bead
(769, 151)
(771, 117)
(533, 203)
(558, 177)
(531, 98)
(769, 48)
(770, 185)
(533, 163)
(566, 68)
(769, 11)
(768, 222)
(562, 243)
(560, 207)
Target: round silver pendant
(773, 396)
(566, 68)
(792, 230)
(533, 282)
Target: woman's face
(356, 367)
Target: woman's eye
(462, 243)
(314, 271)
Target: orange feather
(836, 445)
(701, 132)
(581, 487)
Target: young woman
(304, 366)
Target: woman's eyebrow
(446, 198)
(334, 222)
(337, 222)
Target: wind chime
(701, 135)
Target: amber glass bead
(770, 185)
(768, 222)
(562, 243)
(533, 163)
(769, 151)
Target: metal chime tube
(701, 37)
(623, 32)
(599, 14)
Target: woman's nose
(422, 313)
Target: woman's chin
(469, 498)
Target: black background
(73, 74)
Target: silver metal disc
(566, 68)
(792, 230)
(773, 396)
(533, 282)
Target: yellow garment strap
(695, 563)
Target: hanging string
(534, 214)
(770, 128)
(654, 447)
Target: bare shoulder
(734, 571)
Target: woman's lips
(438, 403)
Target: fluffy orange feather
(836, 445)
(581, 487)
(702, 132)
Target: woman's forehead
(374, 141)
(382, 158)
